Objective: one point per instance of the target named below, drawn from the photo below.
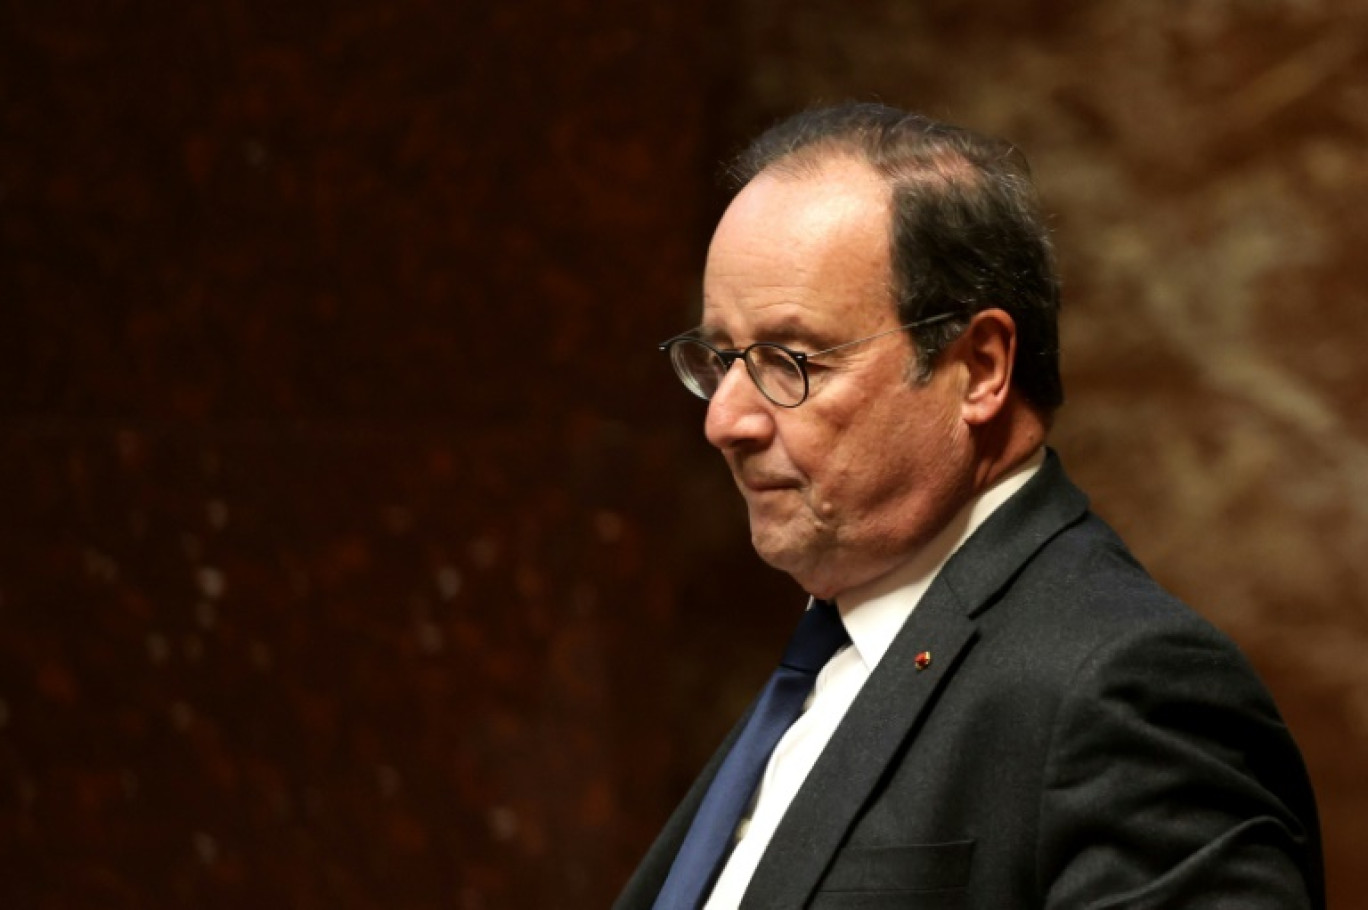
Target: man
(1021, 717)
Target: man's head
(822, 246)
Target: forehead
(804, 254)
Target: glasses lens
(777, 374)
(698, 366)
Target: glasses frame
(729, 356)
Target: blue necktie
(709, 840)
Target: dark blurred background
(357, 548)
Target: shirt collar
(875, 611)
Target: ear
(987, 349)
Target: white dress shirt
(872, 613)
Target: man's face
(847, 485)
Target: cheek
(904, 446)
(857, 450)
(841, 461)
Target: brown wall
(356, 549)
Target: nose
(739, 415)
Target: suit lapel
(897, 695)
(874, 729)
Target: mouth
(762, 484)
(753, 478)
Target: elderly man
(988, 703)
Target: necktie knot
(819, 635)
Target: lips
(753, 477)
(764, 484)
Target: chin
(773, 550)
(798, 559)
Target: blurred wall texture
(356, 548)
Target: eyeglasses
(778, 371)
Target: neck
(1006, 442)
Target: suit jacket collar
(898, 693)
(1012, 535)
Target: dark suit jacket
(1080, 739)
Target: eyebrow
(789, 332)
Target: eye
(814, 366)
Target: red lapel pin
(923, 660)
